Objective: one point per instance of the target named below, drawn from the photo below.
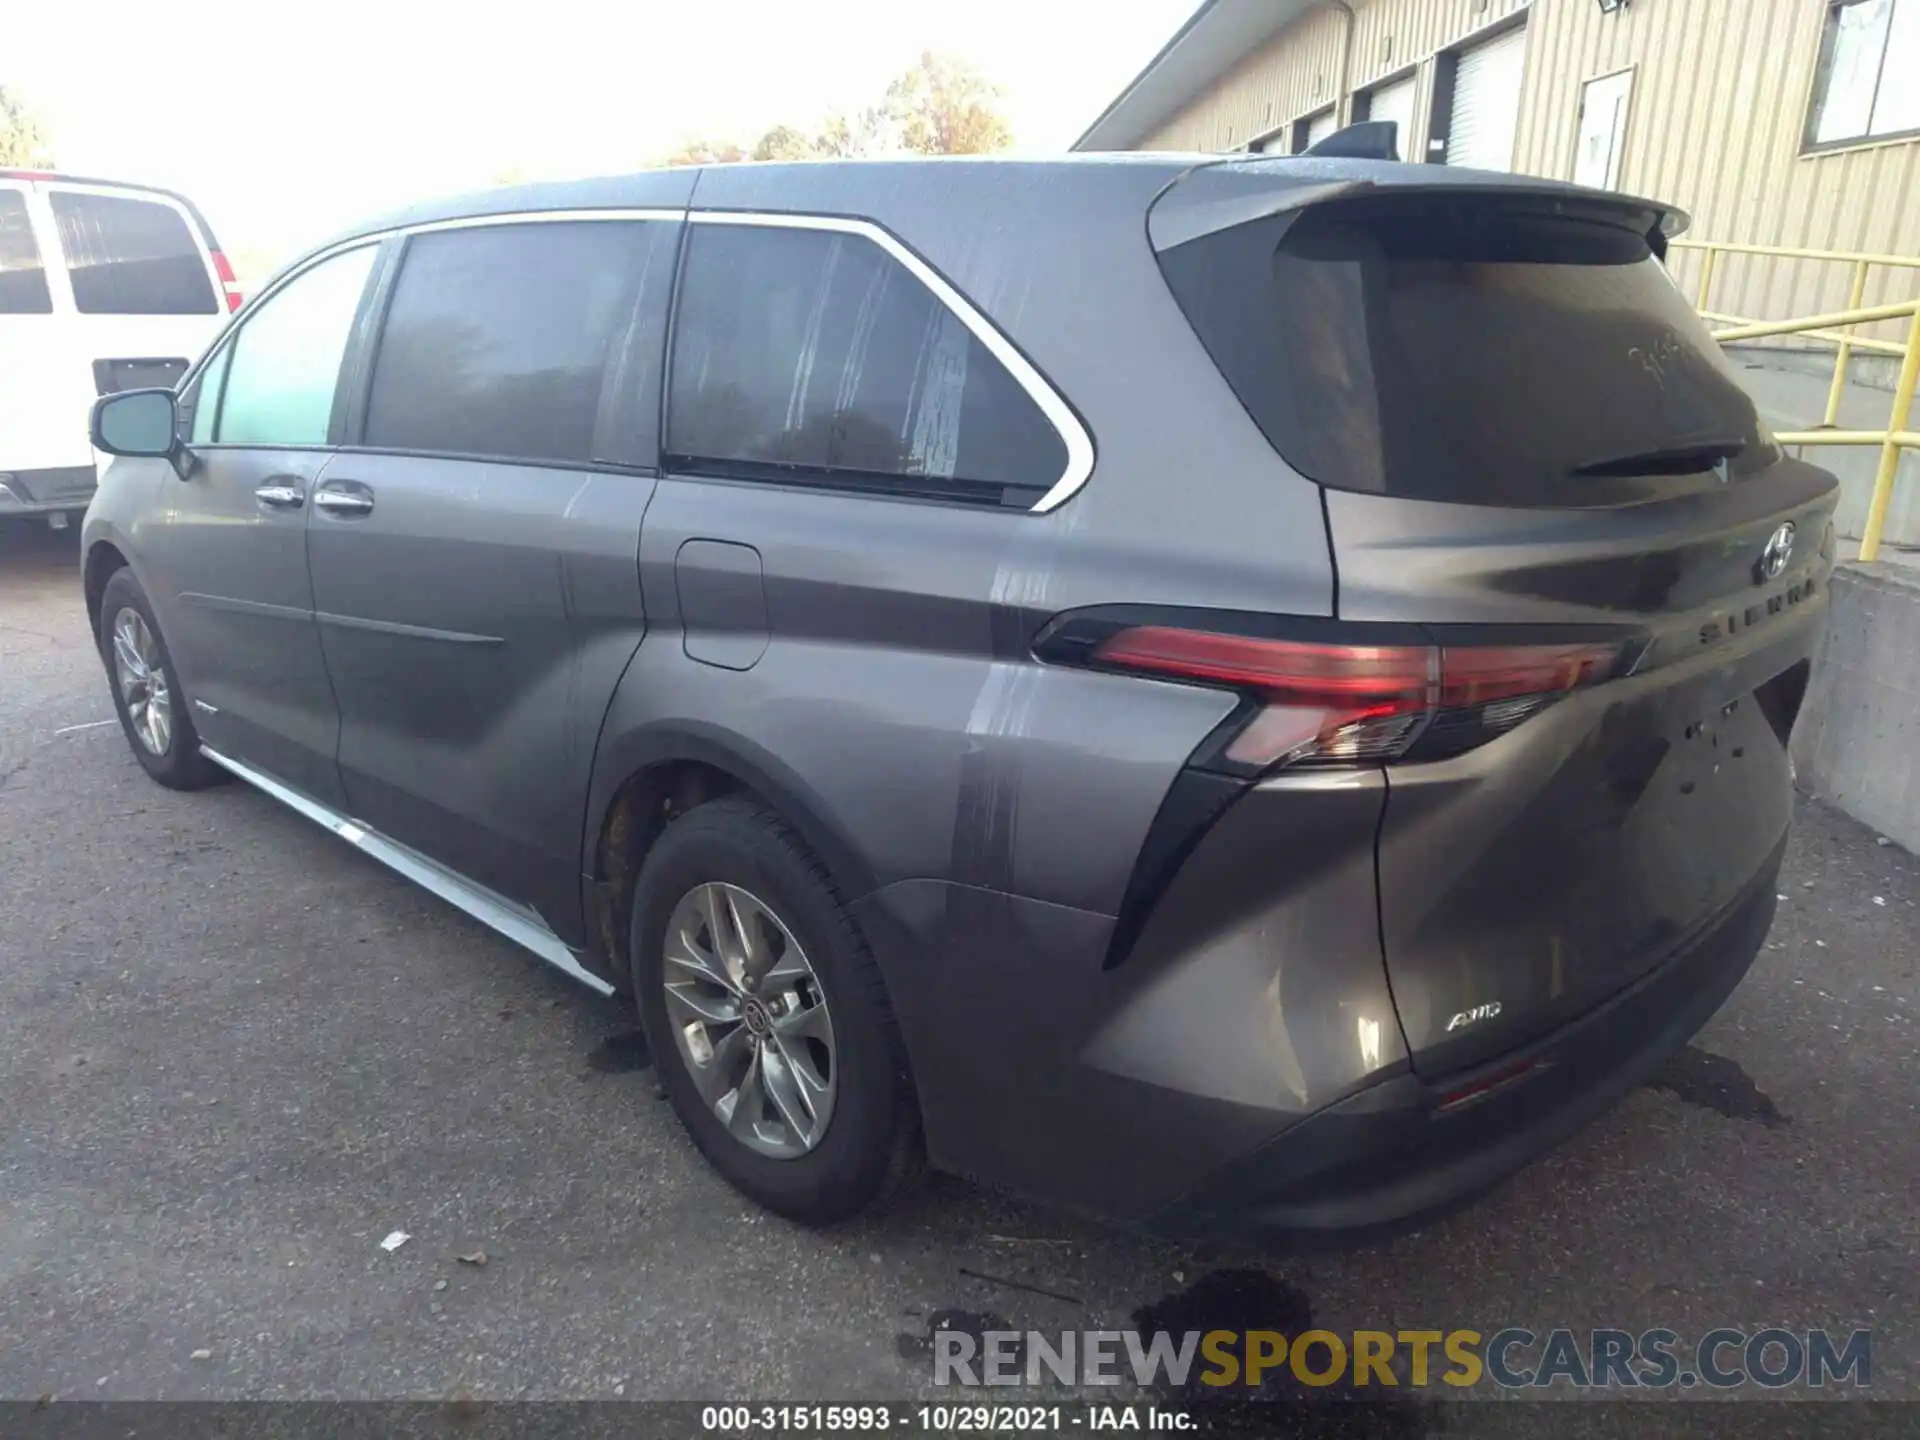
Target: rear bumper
(1408, 1149)
(66, 488)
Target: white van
(103, 287)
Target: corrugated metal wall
(1294, 74)
(1720, 95)
(1298, 71)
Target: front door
(225, 555)
(475, 558)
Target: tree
(783, 142)
(944, 106)
(23, 138)
(706, 152)
(865, 132)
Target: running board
(518, 923)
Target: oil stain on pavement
(620, 1054)
(1718, 1084)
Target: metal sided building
(1774, 122)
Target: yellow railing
(1836, 328)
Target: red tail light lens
(1362, 704)
(227, 281)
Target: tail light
(1314, 702)
(227, 281)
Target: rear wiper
(1673, 460)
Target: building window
(1864, 87)
(1310, 130)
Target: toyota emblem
(1773, 559)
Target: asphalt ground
(235, 1054)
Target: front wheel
(767, 1017)
(146, 689)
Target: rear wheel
(767, 1018)
(146, 689)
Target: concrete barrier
(1857, 743)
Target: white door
(1395, 102)
(1603, 130)
(37, 429)
(1486, 103)
(1318, 128)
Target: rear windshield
(1468, 350)
(131, 257)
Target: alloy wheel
(750, 1020)
(143, 681)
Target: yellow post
(1706, 275)
(1890, 452)
(1845, 353)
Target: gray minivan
(1216, 691)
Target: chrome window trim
(539, 217)
(1060, 415)
(1073, 434)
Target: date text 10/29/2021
(916, 1418)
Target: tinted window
(23, 281)
(815, 355)
(285, 364)
(496, 339)
(131, 257)
(1473, 352)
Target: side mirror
(137, 422)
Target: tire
(178, 764)
(868, 1146)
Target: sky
(287, 123)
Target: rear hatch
(1526, 439)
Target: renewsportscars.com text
(1513, 1358)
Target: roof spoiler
(1246, 188)
(1368, 140)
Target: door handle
(279, 496)
(343, 502)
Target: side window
(815, 356)
(205, 399)
(23, 279)
(131, 257)
(284, 365)
(497, 337)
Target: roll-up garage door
(1486, 103)
(1395, 102)
(1319, 127)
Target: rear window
(131, 257)
(23, 280)
(815, 357)
(1468, 351)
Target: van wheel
(146, 689)
(767, 1017)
